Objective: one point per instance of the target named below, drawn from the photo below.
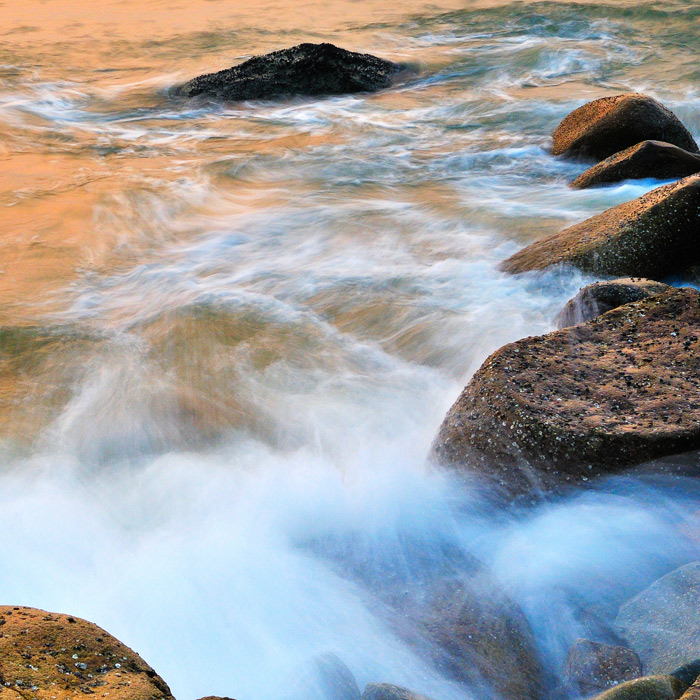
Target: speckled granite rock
(587, 400)
(647, 688)
(306, 69)
(58, 657)
(609, 125)
(386, 691)
(649, 159)
(662, 623)
(652, 236)
(599, 297)
(594, 666)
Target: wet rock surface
(693, 692)
(303, 70)
(53, 657)
(649, 159)
(326, 677)
(609, 125)
(647, 688)
(386, 691)
(600, 297)
(584, 401)
(662, 623)
(594, 666)
(652, 236)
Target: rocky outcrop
(662, 623)
(609, 125)
(593, 666)
(600, 297)
(305, 70)
(583, 401)
(647, 688)
(649, 159)
(57, 657)
(386, 691)
(652, 236)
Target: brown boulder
(652, 236)
(47, 656)
(647, 688)
(609, 125)
(599, 297)
(617, 391)
(656, 159)
(693, 693)
(594, 666)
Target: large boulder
(662, 623)
(652, 236)
(599, 297)
(654, 159)
(587, 400)
(647, 688)
(594, 666)
(609, 125)
(306, 69)
(386, 691)
(46, 656)
(325, 677)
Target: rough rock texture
(662, 623)
(655, 159)
(688, 673)
(587, 400)
(57, 657)
(647, 688)
(306, 69)
(593, 666)
(386, 691)
(652, 236)
(606, 126)
(693, 693)
(597, 298)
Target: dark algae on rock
(303, 70)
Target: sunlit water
(231, 332)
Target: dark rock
(386, 691)
(69, 658)
(647, 688)
(688, 673)
(325, 678)
(609, 125)
(306, 69)
(600, 297)
(652, 236)
(655, 159)
(593, 666)
(662, 623)
(587, 400)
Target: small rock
(386, 691)
(693, 693)
(688, 673)
(593, 666)
(649, 159)
(609, 125)
(647, 688)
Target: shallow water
(230, 333)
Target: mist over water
(229, 333)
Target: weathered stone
(306, 69)
(606, 126)
(600, 297)
(654, 159)
(688, 673)
(693, 693)
(647, 688)
(652, 236)
(57, 657)
(593, 666)
(662, 623)
(587, 400)
(386, 691)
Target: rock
(306, 69)
(587, 400)
(662, 623)
(609, 125)
(325, 678)
(48, 656)
(215, 697)
(597, 298)
(593, 666)
(386, 691)
(655, 159)
(693, 693)
(647, 688)
(688, 673)
(652, 236)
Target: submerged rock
(599, 297)
(326, 677)
(655, 159)
(587, 400)
(306, 69)
(609, 125)
(386, 691)
(647, 688)
(662, 623)
(57, 657)
(652, 236)
(593, 666)
(688, 673)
